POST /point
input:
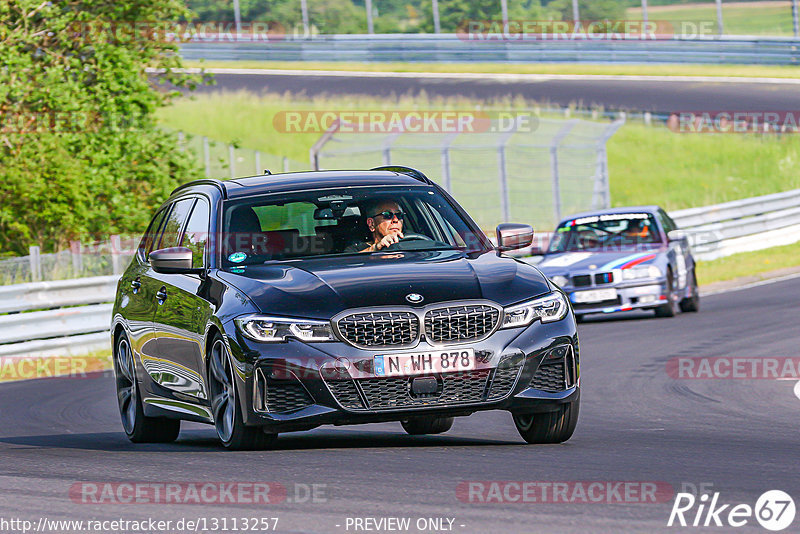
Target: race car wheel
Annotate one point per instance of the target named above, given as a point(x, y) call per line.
point(225, 406)
point(138, 427)
point(692, 303)
point(427, 425)
point(548, 427)
point(669, 309)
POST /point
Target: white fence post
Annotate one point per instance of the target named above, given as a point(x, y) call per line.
point(116, 246)
point(206, 156)
point(36, 263)
point(232, 161)
point(77, 259)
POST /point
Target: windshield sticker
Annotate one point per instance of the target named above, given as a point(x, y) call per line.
point(237, 257)
point(566, 260)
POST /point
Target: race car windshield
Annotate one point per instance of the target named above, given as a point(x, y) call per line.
point(320, 223)
point(609, 231)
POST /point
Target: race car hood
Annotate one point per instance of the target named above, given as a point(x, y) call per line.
point(603, 261)
point(321, 288)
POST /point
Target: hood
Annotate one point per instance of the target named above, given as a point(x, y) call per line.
point(321, 288)
point(566, 262)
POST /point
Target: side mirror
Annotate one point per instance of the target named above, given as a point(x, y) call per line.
point(677, 235)
point(177, 260)
point(512, 236)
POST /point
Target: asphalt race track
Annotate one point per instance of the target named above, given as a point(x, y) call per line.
point(627, 94)
point(636, 424)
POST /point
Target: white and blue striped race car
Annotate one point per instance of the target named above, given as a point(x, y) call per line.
point(623, 259)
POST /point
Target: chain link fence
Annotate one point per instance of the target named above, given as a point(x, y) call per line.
point(507, 173)
point(225, 160)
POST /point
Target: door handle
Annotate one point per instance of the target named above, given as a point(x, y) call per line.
point(162, 295)
point(136, 284)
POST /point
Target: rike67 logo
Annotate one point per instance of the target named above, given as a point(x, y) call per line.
point(774, 510)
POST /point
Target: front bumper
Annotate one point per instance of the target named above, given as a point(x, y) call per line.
point(296, 386)
point(630, 296)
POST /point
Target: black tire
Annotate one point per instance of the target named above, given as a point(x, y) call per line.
point(548, 427)
point(137, 426)
point(225, 407)
point(692, 303)
point(669, 309)
point(427, 425)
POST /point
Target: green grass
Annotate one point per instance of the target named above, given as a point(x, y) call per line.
point(746, 71)
point(652, 165)
point(746, 18)
point(748, 264)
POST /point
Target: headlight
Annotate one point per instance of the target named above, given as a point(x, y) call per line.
point(559, 280)
point(645, 271)
point(552, 307)
point(277, 329)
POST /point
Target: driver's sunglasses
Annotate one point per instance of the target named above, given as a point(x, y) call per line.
point(389, 215)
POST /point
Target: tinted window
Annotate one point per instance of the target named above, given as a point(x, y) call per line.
point(151, 235)
point(175, 222)
point(196, 235)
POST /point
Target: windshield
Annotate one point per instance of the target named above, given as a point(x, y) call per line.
point(342, 221)
point(605, 232)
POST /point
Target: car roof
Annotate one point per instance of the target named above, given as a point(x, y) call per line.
point(612, 211)
point(306, 180)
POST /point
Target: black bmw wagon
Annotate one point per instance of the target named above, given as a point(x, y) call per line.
point(279, 303)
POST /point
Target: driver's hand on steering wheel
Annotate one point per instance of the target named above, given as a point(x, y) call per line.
point(388, 240)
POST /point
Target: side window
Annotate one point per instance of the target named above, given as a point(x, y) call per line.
point(151, 235)
point(666, 222)
point(175, 222)
point(196, 234)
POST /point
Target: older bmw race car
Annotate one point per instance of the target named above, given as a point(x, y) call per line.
point(623, 259)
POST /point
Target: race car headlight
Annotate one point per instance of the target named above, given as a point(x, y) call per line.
point(559, 280)
point(645, 271)
point(278, 330)
point(552, 307)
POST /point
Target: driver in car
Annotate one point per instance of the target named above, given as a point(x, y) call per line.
point(385, 223)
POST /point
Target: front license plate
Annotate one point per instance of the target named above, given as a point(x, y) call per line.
point(416, 363)
point(594, 295)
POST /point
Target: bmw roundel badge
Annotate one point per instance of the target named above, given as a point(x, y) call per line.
point(414, 298)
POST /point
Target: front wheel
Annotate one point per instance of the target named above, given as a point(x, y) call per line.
point(548, 427)
point(427, 425)
point(225, 407)
point(692, 302)
point(669, 308)
point(138, 427)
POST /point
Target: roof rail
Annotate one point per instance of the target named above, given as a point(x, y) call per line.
point(414, 173)
point(204, 181)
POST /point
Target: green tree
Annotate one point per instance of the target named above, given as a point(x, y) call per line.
point(80, 154)
point(456, 14)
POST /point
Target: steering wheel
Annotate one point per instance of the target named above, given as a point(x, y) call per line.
point(408, 238)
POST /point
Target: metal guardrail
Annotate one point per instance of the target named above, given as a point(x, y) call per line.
point(54, 318)
point(458, 48)
point(742, 225)
point(73, 316)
